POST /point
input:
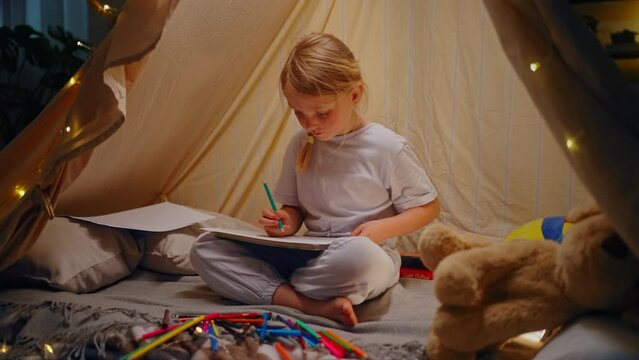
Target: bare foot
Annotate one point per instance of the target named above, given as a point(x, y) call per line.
point(338, 308)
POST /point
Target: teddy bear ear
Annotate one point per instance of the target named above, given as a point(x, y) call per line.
point(615, 247)
point(582, 212)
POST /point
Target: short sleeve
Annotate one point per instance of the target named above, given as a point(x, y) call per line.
point(410, 185)
point(285, 191)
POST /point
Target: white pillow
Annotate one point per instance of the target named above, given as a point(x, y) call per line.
point(76, 256)
point(168, 252)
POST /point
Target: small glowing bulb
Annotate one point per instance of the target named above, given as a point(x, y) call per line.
point(534, 66)
point(48, 348)
point(19, 190)
point(198, 330)
point(570, 144)
point(68, 129)
point(72, 81)
point(106, 7)
point(4, 348)
point(83, 45)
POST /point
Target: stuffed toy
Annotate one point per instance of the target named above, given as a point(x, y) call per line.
point(492, 291)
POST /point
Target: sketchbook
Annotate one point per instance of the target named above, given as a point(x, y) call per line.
point(260, 238)
point(160, 217)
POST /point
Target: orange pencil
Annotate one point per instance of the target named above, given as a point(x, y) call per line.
point(282, 351)
point(359, 352)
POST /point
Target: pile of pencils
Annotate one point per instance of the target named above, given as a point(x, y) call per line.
point(213, 335)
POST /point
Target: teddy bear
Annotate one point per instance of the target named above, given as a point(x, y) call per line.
point(491, 291)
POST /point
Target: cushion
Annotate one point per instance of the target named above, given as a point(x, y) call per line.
point(168, 252)
point(76, 256)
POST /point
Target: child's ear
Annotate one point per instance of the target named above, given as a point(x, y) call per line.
point(357, 93)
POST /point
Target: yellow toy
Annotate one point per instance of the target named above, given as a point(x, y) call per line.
point(548, 228)
point(493, 291)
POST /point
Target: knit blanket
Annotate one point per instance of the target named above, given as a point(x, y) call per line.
point(38, 322)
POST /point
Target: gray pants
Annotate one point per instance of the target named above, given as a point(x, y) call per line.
point(353, 267)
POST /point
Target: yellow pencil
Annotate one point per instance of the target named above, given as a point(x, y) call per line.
point(139, 352)
point(215, 330)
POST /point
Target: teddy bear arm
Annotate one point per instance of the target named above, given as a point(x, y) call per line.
point(473, 329)
point(438, 241)
point(462, 278)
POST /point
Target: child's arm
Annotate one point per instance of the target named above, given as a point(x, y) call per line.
point(410, 220)
point(291, 217)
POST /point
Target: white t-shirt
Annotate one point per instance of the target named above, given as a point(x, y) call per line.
point(371, 173)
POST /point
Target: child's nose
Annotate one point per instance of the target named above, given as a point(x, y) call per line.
point(311, 123)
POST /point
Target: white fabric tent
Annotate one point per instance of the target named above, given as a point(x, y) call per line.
point(205, 120)
point(190, 112)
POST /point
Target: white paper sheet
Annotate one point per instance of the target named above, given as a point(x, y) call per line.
point(164, 216)
point(261, 238)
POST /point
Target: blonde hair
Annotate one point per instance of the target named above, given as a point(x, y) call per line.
point(319, 64)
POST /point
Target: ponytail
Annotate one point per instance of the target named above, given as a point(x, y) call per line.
point(304, 155)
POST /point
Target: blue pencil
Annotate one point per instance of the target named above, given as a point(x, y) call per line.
point(213, 338)
point(263, 327)
point(283, 332)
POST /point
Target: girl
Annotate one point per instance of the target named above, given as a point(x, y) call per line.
point(343, 177)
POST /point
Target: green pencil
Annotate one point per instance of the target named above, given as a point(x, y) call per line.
point(308, 329)
point(270, 199)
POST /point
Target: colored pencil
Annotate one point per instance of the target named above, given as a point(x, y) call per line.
point(336, 340)
point(139, 352)
point(245, 321)
point(213, 338)
point(359, 352)
point(263, 327)
point(333, 348)
point(221, 315)
point(283, 332)
point(270, 200)
point(157, 332)
point(282, 351)
point(288, 322)
point(309, 339)
point(215, 330)
point(165, 319)
point(308, 329)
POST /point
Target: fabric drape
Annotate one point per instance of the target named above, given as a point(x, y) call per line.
point(50, 153)
point(584, 99)
point(206, 120)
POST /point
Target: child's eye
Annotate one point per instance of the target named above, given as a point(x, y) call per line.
point(322, 115)
point(299, 114)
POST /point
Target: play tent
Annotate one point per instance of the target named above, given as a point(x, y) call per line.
point(181, 103)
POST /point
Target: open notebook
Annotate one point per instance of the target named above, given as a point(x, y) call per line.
point(258, 237)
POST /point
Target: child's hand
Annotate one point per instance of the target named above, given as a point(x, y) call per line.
point(269, 221)
point(374, 230)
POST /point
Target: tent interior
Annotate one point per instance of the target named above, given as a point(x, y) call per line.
point(181, 103)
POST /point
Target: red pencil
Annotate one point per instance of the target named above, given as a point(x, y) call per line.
point(332, 347)
point(214, 316)
point(359, 352)
point(160, 331)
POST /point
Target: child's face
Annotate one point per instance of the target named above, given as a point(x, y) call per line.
point(324, 116)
